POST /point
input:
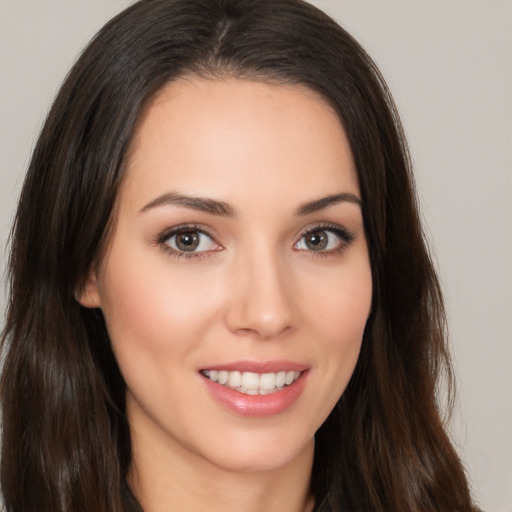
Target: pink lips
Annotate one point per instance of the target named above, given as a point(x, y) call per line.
point(258, 405)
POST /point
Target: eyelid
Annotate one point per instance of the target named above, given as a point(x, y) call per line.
point(346, 237)
point(168, 232)
point(163, 237)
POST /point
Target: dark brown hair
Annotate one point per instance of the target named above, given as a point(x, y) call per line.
point(66, 440)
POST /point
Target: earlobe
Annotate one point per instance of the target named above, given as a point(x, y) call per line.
point(87, 294)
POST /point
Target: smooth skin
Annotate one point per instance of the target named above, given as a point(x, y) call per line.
point(246, 273)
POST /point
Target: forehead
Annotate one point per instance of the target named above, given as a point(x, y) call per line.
point(228, 137)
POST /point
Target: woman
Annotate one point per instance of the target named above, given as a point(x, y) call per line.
point(220, 292)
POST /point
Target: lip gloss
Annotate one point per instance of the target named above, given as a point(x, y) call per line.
point(257, 405)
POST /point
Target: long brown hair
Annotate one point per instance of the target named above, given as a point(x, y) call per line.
point(66, 440)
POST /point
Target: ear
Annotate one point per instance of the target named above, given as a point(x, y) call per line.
point(88, 293)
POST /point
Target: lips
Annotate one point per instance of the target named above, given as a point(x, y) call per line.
point(251, 383)
point(256, 389)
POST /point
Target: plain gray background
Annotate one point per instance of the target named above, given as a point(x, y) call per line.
point(449, 66)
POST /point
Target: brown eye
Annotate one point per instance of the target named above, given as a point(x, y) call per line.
point(316, 240)
point(324, 239)
point(190, 240)
point(187, 241)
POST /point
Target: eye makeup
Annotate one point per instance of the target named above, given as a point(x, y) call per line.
point(324, 239)
point(187, 241)
point(193, 241)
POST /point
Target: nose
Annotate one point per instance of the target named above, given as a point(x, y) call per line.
point(263, 303)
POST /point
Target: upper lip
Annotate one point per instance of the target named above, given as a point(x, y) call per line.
point(272, 366)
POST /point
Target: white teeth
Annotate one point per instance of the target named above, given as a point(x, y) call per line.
point(280, 378)
point(223, 377)
point(251, 383)
point(268, 381)
point(235, 379)
point(290, 377)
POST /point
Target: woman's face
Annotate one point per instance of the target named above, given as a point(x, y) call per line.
point(237, 284)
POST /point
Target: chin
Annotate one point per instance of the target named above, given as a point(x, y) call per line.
point(259, 453)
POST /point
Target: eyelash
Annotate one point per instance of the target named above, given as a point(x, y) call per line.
point(163, 239)
point(345, 236)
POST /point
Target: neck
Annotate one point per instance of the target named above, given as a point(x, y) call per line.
point(175, 479)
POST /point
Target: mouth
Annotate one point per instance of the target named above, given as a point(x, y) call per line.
point(256, 388)
point(251, 383)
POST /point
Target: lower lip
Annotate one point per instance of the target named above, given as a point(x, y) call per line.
point(257, 405)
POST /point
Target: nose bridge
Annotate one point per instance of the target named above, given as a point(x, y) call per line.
point(262, 302)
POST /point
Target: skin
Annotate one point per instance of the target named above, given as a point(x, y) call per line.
point(256, 291)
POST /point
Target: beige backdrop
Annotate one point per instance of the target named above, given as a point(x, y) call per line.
point(449, 65)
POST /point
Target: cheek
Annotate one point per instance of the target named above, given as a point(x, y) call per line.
point(339, 322)
point(344, 307)
point(149, 311)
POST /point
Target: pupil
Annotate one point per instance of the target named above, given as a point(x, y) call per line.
point(316, 241)
point(187, 241)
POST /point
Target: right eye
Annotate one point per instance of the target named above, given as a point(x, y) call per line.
point(187, 241)
point(190, 241)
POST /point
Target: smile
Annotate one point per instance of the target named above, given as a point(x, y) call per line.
point(251, 383)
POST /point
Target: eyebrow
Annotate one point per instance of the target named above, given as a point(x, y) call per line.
point(324, 202)
point(214, 207)
point(203, 204)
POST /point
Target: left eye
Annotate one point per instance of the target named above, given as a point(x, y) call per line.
point(319, 240)
point(190, 241)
